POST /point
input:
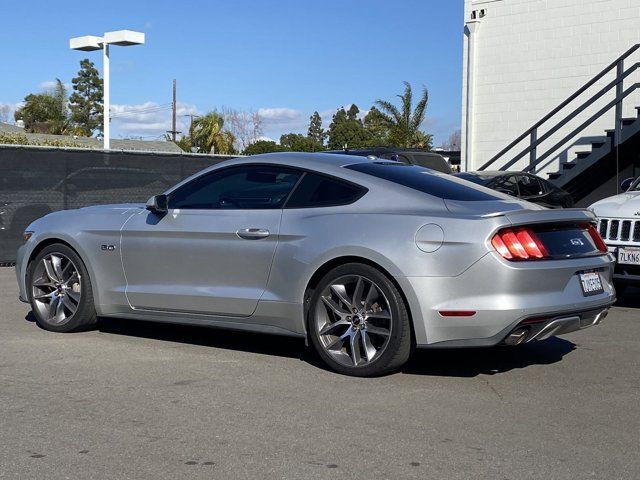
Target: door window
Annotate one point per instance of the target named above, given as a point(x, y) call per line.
point(248, 187)
point(529, 186)
point(507, 185)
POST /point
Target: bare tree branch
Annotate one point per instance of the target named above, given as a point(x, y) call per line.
point(453, 144)
point(246, 127)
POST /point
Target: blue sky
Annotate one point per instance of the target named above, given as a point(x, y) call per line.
point(284, 58)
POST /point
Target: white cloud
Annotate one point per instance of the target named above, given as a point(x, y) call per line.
point(149, 119)
point(279, 120)
point(49, 85)
point(279, 115)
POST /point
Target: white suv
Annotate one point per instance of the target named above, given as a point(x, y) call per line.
point(619, 225)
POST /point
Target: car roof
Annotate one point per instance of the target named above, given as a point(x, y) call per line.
point(314, 161)
point(320, 162)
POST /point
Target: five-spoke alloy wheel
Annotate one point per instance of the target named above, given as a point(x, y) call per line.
point(358, 321)
point(60, 293)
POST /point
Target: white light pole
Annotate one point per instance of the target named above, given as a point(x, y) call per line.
point(123, 38)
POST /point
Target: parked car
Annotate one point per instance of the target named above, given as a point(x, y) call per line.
point(366, 259)
point(619, 226)
point(522, 185)
point(412, 156)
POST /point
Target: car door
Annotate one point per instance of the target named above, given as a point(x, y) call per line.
point(211, 253)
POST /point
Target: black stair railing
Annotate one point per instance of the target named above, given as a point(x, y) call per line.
point(617, 102)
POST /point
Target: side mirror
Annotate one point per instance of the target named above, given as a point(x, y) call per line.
point(626, 184)
point(158, 204)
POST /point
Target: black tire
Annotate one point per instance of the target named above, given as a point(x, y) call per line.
point(398, 347)
point(84, 317)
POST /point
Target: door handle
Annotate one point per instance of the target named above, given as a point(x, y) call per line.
point(252, 233)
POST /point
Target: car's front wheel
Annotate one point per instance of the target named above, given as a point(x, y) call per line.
point(358, 321)
point(59, 290)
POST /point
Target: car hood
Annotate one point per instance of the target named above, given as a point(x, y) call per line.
point(625, 205)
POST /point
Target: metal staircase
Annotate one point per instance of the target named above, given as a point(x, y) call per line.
point(548, 140)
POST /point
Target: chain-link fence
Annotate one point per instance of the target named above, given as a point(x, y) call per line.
point(35, 181)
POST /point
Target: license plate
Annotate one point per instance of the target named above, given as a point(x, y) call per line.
point(591, 283)
point(629, 255)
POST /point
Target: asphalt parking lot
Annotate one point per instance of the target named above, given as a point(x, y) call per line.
point(139, 400)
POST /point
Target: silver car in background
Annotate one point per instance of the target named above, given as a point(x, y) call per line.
point(364, 258)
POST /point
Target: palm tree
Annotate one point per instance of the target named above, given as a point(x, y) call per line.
point(403, 124)
point(209, 137)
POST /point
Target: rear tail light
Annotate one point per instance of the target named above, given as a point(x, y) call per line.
point(596, 237)
point(522, 243)
point(519, 244)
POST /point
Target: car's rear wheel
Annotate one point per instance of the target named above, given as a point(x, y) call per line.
point(59, 290)
point(358, 321)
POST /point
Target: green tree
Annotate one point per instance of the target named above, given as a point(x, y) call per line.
point(346, 130)
point(208, 136)
point(403, 123)
point(86, 101)
point(352, 113)
point(297, 142)
point(45, 112)
point(316, 132)
point(262, 146)
point(339, 117)
point(376, 127)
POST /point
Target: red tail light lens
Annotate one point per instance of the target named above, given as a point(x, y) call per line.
point(519, 244)
point(597, 239)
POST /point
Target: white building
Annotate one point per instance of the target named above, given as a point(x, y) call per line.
point(522, 58)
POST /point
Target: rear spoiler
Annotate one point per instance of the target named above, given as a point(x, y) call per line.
point(568, 215)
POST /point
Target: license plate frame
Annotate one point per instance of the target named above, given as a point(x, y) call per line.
point(590, 283)
point(625, 254)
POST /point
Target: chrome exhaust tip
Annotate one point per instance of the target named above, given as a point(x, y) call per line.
point(516, 337)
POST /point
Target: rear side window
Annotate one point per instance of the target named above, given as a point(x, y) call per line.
point(319, 191)
point(442, 186)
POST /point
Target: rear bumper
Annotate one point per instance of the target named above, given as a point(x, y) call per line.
point(503, 295)
point(541, 329)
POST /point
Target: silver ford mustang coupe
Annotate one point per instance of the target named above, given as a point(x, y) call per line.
point(364, 258)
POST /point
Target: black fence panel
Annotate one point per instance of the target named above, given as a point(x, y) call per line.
point(37, 181)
